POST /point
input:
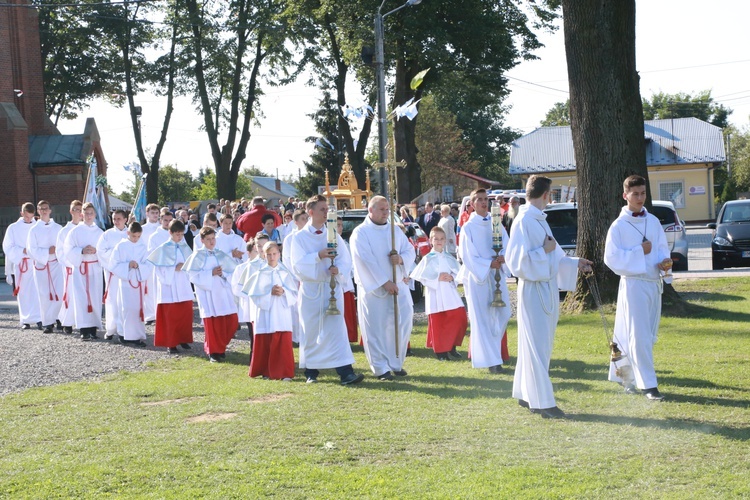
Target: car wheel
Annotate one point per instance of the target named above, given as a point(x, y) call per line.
point(715, 264)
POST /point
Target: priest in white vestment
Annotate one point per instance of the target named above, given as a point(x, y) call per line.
point(47, 275)
point(371, 247)
point(324, 343)
point(14, 248)
point(488, 323)
point(81, 255)
point(636, 249)
point(543, 270)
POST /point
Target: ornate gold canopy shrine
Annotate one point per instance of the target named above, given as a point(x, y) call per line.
point(347, 192)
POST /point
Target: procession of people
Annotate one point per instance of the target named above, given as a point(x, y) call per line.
point(294, 285)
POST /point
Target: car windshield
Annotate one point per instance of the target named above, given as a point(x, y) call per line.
point(665, 215)
point(354, 218)
point(739, 212)
point(564, 225)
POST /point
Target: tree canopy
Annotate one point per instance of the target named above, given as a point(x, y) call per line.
point(683, 105)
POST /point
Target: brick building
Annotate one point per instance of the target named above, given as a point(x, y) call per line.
point(36, 161)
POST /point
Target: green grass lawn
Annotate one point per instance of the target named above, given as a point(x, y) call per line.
point(186, 428)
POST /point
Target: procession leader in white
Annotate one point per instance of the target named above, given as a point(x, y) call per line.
point(324, 343)
point(478, 276)
point(373, 272)
point(47, 275)
point(14, 248)
point(86, 284)
point(543, 270)
point(66, 315)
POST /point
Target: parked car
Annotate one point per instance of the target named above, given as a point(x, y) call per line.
point(730, 245)
point(563, 221)
point(416, 235)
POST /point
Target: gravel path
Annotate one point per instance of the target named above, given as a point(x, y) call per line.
point(33, 359)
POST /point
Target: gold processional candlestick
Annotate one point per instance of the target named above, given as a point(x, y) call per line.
point(331, 224)
point(497, 246)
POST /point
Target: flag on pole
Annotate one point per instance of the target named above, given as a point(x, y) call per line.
point(92, 194)
point(139, 207)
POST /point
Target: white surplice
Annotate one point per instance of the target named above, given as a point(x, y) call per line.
point(47, 275)
point(232, 241)
point(286, 259)
point(14, 248)
point(273, 313)
point(149, 309)
point(132, 283)
point(214, 293)
point(371, 247)
point(639, 293)
point(86, 284)
point(172, 286)
point(324, 342)
point(439, 295)
point(104, 248)
point(487, 323)
point(541, 276)
point(66, 314)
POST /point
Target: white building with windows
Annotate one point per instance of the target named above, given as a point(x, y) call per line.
point(681, 155)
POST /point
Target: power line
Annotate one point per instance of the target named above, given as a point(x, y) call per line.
point(97, 4)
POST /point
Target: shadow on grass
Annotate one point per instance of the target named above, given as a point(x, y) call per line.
point(699, 311)
point(734, 433)
point(447, 386)
point(711, 297)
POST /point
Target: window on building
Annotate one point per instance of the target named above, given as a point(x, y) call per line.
point(673, 191)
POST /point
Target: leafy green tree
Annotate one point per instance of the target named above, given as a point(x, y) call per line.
point(684, 105)
point(739, 161)
point(558, 115)
point(175, 184)
point(206, 186)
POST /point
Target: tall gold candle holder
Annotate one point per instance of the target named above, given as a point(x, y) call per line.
point(497, 246)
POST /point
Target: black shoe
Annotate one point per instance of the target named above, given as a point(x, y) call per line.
point(68, 329)
point(312, 380)
point(223, 355)
point(523, 404)
point(93, 336)
point(150, 322)
point(653, 394)
point(109, 337)
point(496, 369)
point(385, 376)
point(26, 326)
point(49, 329)
point(85, 337)
point(400, 373)
point(454, 353)
point(629, 389)
point(122, 340)
point(408, 352)
point(58, 325)
point(138, 343)
point(172, 350)
point(352, 378)
point(553, 412)
point(187, 347)
point(214, 358)
point(442, 356)
point(39, 325)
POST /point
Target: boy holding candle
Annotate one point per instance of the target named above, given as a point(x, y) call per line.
point(479, 236)
point(446, 315)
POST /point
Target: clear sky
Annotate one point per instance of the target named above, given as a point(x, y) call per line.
point(681, 46)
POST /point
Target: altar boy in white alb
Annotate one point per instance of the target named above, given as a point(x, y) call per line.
point(543, 270)
point(104, 248)
point(149, 228)
point(18, 265)
point(130, 264)
point(47, 274)
point(478, 276)
point(636, 249)
point(373, 272)
point(67, 315)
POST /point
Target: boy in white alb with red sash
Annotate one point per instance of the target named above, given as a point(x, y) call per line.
point(80, 254)
point(66, 316)
point(174, 310)
point(488, 323)
point(104, 248)
point(636, 249)
point(446, 314)
point(130, 264)
point(149, 228)
point(273, 290)
point(47, 275)
point(543, 270)
point(14, 248)
point(206, 268)
point(373, 271)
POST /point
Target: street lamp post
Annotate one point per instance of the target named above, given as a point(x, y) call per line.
point(380, 72)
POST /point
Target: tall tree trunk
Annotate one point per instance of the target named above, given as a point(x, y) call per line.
point(409, 179)
point(606, 116)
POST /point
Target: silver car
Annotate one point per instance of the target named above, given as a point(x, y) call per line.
point(563, 221)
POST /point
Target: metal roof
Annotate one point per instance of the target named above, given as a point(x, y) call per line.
point(679, 141)
point(56, 149)
point(269, 183)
